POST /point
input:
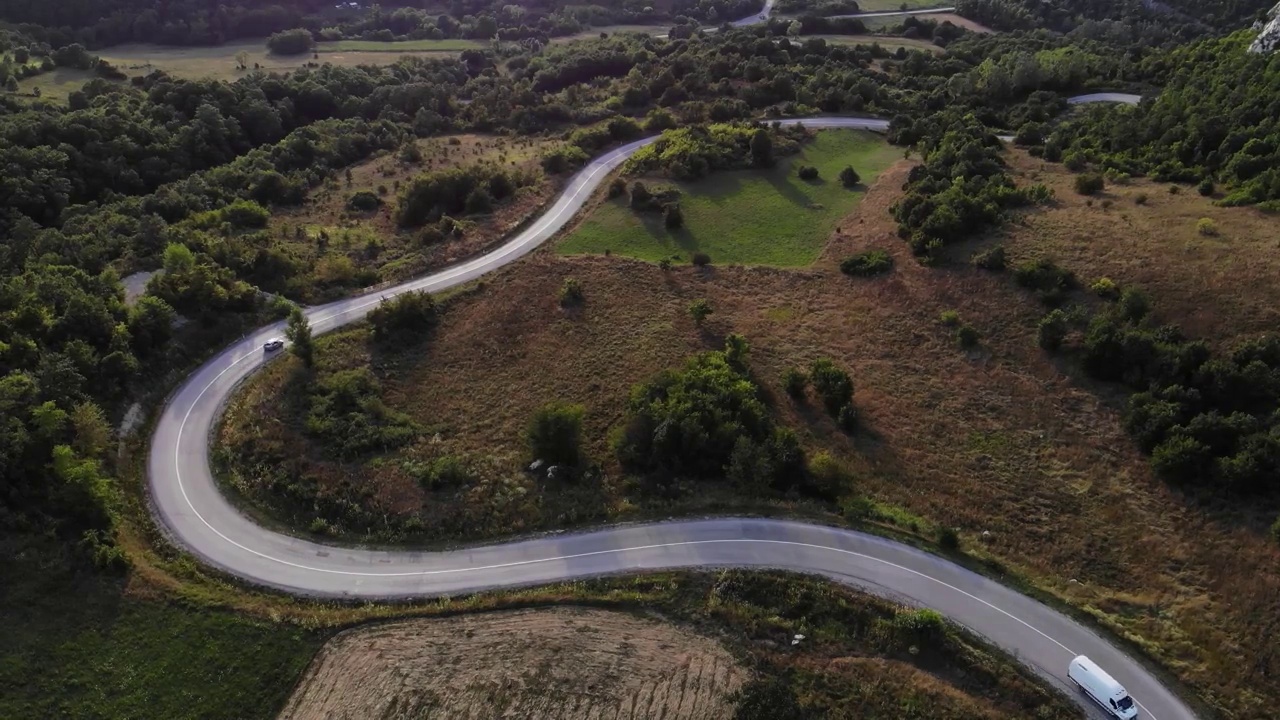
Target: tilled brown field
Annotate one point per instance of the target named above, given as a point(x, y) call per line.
point(548, 663)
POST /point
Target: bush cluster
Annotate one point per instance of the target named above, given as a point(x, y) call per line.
point(707, 420)
point(456, 191)
point(961, 188)
point(347, 414)
point(690, 153)
point(867, 263)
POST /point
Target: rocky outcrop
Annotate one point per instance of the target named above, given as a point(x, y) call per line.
point(1268, 34)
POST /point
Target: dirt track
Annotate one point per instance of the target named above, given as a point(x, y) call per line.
point(550, 663)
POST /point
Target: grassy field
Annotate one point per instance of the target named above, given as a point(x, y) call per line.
point(1027, 459)
point(594, 33)
point(55, 84)
point(876, 24)
point(748, 217)
point(79, 646)
point(402, 47)
point(219, 62)
point(888, 43)
point(867, 6)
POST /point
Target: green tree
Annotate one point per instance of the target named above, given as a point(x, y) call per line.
point(178, 259)
point(699, 310)
point(849, 177)
point(405, 318)
point(299, 334)
point(832, 384)
point(761, 148)
point(554, 434)
point(673, 217)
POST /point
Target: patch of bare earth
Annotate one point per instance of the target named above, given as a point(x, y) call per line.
point(549, 663)
point(1028, 460)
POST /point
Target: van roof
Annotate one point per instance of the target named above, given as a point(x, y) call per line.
point(1105, 682)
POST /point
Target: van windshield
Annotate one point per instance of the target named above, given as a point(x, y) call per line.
point(1125, 702)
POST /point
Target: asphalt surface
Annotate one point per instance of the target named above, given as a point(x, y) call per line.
point(189, 506)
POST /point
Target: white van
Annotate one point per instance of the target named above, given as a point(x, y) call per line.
point(1097, 684)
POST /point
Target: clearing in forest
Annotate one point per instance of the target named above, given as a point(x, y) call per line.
point(747, 217)
point(550, 663)
point(221, 62)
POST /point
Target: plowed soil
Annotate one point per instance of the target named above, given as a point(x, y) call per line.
point(549, 663)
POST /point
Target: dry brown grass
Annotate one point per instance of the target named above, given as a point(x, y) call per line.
point(1220, 287)
point(996, 440)
point(219, 62)
point(553, 663)
point(397, 253)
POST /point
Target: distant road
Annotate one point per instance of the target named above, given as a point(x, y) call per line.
point(190, 508)
point(896, 13)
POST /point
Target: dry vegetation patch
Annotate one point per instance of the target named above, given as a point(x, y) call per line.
point(347, 248)
point(1031, 463)
point(553, 663)
point(1220, 286)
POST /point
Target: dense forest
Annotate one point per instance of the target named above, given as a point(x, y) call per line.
point(1215, 122)
point(102, 24)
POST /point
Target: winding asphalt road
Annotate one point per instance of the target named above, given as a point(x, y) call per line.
point(188, 504)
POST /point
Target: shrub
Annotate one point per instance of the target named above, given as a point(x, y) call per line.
point(291, 42)
point(1205, 187)
point(571, 294)
point(795, 382)
point(1174, 189)
point(847, 418)
point(479, 202)
point(348, 415)
point(832, 384)
point(564, 159)
point(864, 264)
point(948, 539)
point(1052, 330)
point(830, 476)
point(1089, 184)
point(699, 310)
point(246, 214)
point(992, 259)
point(1133, 305)
point(967, 336)
point(364, 201)
point(554, 434)
point(1207, 227)
point(640, 196)
point(701, 259)
point(405, 318)
point(1106, 288)
point(808, 172)
point(1050, 282)
point(692, 422)
point(950, 318)
point(1180, 458)
point(1140, 199)
point(673, 217)
point(1275, 530)
point(750, 465)
point(849, 177)
point(617, 188)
